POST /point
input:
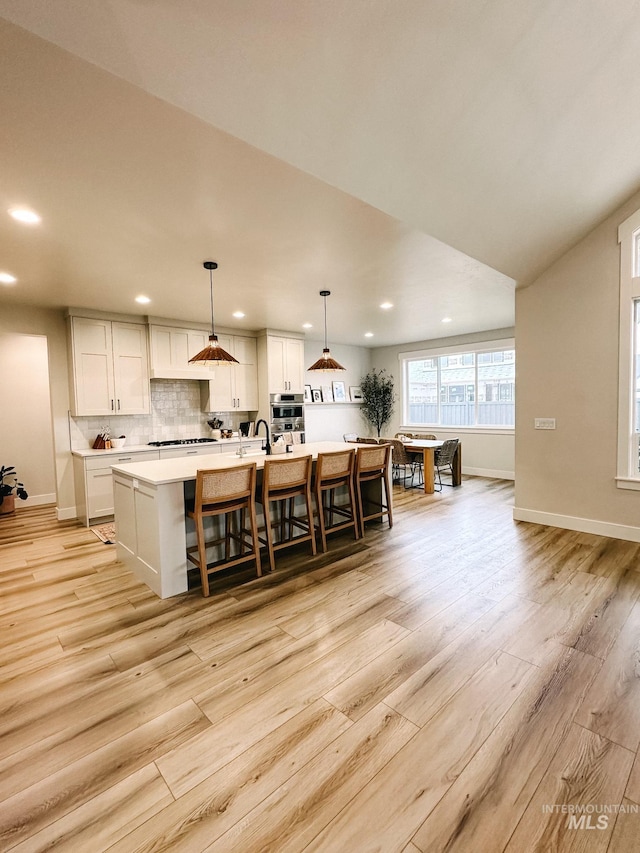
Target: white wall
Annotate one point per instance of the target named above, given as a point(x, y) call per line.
point(26, 430)
point(51, 444)
point(567, 368)
point(329, 422)
point(484, 452)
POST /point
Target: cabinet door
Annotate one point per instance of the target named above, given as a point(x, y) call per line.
point(161, 348)
point(93, 382)
point(246, 373)
point(99, 492)
point(131, 369)
point(276, 363)
point(222, 381)
point(294, 356)
point(197, 341)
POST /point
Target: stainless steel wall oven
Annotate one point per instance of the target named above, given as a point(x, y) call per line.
point(287, 413)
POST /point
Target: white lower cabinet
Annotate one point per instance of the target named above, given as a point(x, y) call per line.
point(94, 482)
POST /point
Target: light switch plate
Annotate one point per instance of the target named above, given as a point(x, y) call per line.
point(545, 423)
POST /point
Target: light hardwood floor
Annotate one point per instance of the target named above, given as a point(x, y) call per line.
point(440, 686)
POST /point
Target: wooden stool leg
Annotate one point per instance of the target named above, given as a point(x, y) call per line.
point(387, 491)
point(269, 532)
point(254, 536)
point(354, 510)
point(202, 555)
point(307, 499)
point(321, 521)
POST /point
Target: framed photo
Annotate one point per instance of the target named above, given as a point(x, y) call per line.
point(327, 394)
point(308, 397)
point(339, 393)
point(316, 396)
point(355, 393)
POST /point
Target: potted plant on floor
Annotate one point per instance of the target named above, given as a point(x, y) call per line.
point(10, 489)
point(377, 398)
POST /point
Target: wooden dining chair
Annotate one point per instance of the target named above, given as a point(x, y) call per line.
point(226, 493)
point(284, 480)
point(372, 470)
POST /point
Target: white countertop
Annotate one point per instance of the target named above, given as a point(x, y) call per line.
point(184, 468)
point(139, 448)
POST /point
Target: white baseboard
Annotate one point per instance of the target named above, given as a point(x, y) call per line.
point(489, 472)
point(582, 525)
point(37, 500)
point(67, 512)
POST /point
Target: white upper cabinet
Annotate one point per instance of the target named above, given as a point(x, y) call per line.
point(110, 369)
point(285, 364)
point(234, 386)
point(171, 349)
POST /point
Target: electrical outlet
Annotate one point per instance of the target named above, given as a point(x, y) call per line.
point(545, 423)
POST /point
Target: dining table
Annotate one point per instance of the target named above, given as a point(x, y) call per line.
point(427, 447)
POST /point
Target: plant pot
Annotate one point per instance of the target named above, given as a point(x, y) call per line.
point(8, 504)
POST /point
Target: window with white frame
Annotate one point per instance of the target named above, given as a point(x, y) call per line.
point(628, 468)
point(460, 386)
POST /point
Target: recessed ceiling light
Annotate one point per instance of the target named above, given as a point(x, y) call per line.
point(307, 326)
point(238, 314)
point(368, 334)
point(7, 278)
point(446, 319)
point(386, 305)
point(143, 300)
point(24, 215)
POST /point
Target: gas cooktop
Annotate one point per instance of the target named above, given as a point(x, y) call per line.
point(181, 441)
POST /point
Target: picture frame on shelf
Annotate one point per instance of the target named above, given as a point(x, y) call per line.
point(316, 395)
point(355, 393)
point(327, 393)
point(339, 392)
point(308, 396)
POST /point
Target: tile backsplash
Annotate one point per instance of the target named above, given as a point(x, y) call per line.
point(175, 413)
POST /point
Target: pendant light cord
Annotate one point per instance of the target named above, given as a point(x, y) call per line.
point(325, 322)
point(213, 331)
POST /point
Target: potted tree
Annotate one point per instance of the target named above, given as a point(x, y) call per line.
point(10, 489)
point(377, 398)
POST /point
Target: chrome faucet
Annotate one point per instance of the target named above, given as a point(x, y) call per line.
point(240, 451)
point(267, 445)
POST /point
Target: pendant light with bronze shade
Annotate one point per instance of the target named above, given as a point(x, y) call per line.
point(213, 353)
point(325, 363)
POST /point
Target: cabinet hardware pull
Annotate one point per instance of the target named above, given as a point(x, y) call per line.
point(112, 406)
point(118, 404)
point(124, 459)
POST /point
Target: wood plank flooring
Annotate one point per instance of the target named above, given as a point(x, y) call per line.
point(459, 683)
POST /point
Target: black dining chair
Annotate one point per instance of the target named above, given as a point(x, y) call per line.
point(443, 459)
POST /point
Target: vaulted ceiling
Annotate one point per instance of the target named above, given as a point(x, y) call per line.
point(429, 154)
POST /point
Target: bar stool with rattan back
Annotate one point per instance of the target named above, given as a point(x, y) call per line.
point(225, 492)
point(335, 470)
point(283, 480)
point(372, 465)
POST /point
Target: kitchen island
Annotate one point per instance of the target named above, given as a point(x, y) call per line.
point(151, 530)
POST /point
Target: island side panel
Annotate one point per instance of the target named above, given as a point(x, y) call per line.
point(150, 533)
